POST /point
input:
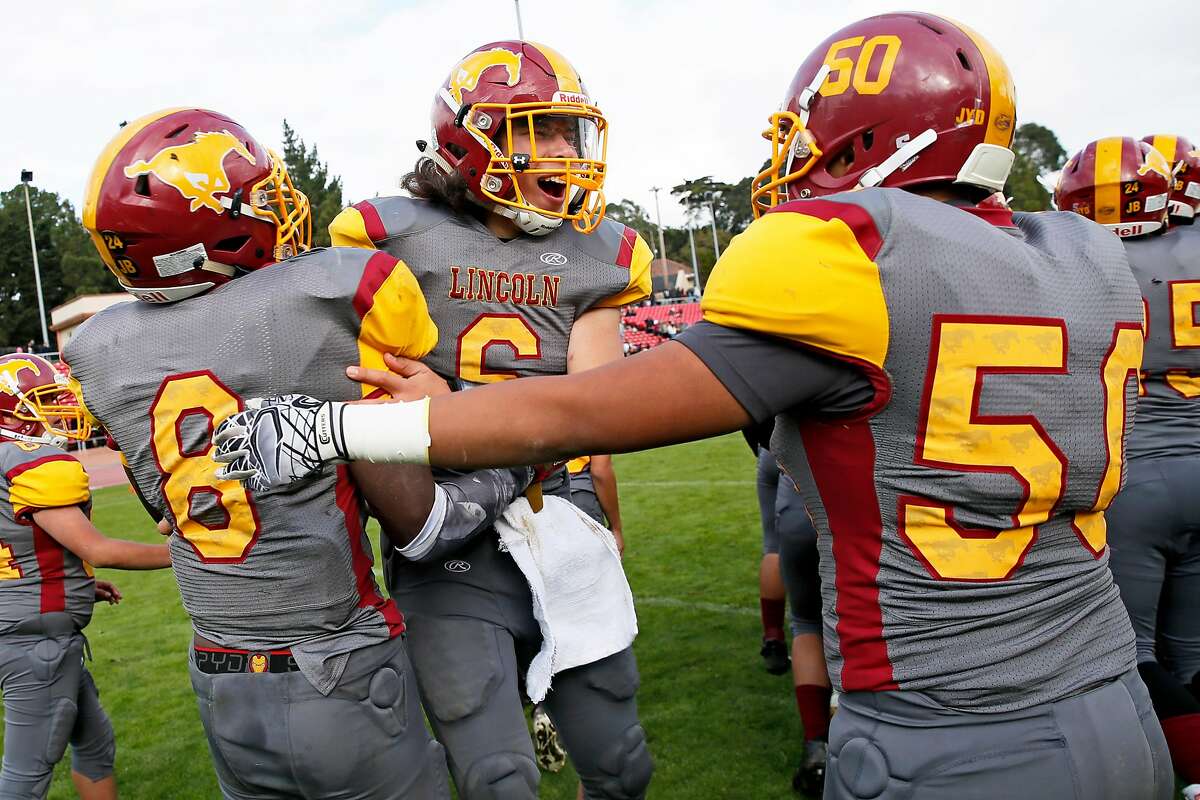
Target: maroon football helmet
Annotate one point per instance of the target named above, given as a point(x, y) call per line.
point(895, 100)
point(506, 88)
point(39, 403)
point(182, 199)
point(1119, 182)
point(1184, 159)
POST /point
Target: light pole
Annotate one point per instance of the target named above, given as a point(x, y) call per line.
point(26, 177)
point(520, 27)
point(695, 264)
point(662, 247)
point(712, 216)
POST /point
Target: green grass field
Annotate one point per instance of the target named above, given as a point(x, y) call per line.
point(719, 725)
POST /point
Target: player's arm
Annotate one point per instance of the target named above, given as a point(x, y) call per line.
point(794, 320)
point(595, 341)
point(71, 528)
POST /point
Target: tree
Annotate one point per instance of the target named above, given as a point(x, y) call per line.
point(1038, 152)
point(311, 176)
point(67, 259)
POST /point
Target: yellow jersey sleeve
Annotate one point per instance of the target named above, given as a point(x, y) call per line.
point(807, 275)
point(349, 229)
point(394, 316)
point(634, 254)
point(51, 482)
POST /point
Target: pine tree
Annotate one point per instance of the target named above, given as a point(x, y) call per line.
point(311, 176)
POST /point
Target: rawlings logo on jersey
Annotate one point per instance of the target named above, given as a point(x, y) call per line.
point(465, 77)
point(197, 169)
point(10, 373)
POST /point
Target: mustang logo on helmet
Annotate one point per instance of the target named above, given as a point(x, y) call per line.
point(10, 373)
point(1156, 162)
point(196, 169)
point(465, 76)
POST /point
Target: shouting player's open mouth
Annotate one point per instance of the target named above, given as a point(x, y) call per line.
point(553, 187)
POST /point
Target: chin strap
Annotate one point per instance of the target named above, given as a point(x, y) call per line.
point(908, 151)
point(530, 222)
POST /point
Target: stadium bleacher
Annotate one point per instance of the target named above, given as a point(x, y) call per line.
point(643, 327)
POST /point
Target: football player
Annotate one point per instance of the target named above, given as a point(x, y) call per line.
point(951, 387)
point(298, 663)
point(1184, 158)
point(48, 548)
point(772, 595)
point(505, 234)
point(788, 531)
point(1155, 521)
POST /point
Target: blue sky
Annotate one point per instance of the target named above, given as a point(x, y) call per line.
point(687, 86)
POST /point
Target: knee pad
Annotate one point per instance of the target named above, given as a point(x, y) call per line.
point(501, 776)
point(627, 768)
point(615, 675)
point(62, 720)
point(458, 665)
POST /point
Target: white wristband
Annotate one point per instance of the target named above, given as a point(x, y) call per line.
point(387, 432)
point(424, 541)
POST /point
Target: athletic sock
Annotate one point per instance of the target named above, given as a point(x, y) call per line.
point(1183, 740)
point(813, 703)
point(772, 618)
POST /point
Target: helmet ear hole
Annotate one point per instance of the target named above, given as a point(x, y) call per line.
point(231, 245)
point(142, 185)
point(868, 138)
point(457, 150)
point(842, 161)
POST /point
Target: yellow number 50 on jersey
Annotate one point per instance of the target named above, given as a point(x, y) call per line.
point(190, 473)
point(495, 330)
point(954, 435)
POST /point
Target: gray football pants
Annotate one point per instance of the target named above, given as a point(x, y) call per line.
point(1154, 534)
point(1103, 744)
point(788, 531)
point(470, 673)
point(275, 736)
point(50, 700)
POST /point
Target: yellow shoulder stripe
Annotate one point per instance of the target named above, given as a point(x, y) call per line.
point(349, 229)
point(803, 278)
point(395, 318)
point(51, 483)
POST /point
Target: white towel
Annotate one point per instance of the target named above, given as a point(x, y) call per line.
point(581, 598)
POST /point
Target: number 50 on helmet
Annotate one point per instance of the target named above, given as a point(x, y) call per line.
point(896, 100)
point(185, 199)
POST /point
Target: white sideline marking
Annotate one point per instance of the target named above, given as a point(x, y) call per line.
point(635, 484)
point(698, 605)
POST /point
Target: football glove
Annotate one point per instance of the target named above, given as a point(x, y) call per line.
point(280, 440)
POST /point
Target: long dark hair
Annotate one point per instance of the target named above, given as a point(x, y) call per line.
point(428, 182)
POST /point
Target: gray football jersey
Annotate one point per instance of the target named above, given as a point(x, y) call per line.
point(37, 574)
point(1167, 268)
point(284, 569)
point(963, 544)
point(504, 309)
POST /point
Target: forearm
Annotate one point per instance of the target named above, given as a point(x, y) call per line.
point(122, 554)
point(468, 505)
point(68, 526)
point(604, 479)
point(663, 396)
